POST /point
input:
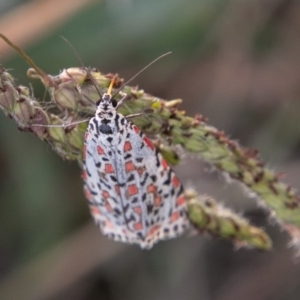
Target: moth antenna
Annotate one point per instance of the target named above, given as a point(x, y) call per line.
point(58, 126)
point(82, 63)
point(142, 70)
point(29, 60)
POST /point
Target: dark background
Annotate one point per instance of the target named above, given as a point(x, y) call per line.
point(235, 62)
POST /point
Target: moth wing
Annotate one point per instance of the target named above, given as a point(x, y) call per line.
point(139, 198)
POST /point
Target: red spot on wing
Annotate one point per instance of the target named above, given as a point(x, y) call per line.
point(109, 224)
point(87, 193)
point(127, 146)
point(164, 164)
point(108, 207)
point(152, 231)
point(136, 129)
point(138, 226)
point(132, 190)
point(157, 201)
point(95, 210)
point(84, 175)
point(109, 168)
point(181, 200)
point(176, 182)
point(175, 216)
point(138, 210)
point(105, 194)
point(129, 166)
point(117, 189)
point(149, 143)
point(151, 188)
point(86, 135)
point(100, 150)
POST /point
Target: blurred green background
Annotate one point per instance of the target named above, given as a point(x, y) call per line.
point(235, 62)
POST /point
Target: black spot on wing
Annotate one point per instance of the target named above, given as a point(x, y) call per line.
point(144, 197)
point(93, 192)
point(134, 200)
point(157, 159)
point(117, 121)
point(96, 124)
point(88, 172)
point(149, 208)
point(153, 177)
point(92, 125)
point(128, 155)
point(145, 179)
point(104, 182)
point(180, 190)
point(172, 192)
point(105, 129)
point(125, 207)
point(141, 236)
point(168, 180)
point(117, 211)
point(130, 178)
point(113, 178)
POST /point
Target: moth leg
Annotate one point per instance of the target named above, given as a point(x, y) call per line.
point(134, 115)
point(121, 102)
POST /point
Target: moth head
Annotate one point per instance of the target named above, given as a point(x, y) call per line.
point(106, 101)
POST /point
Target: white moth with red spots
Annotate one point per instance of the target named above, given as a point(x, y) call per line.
point(134, 196)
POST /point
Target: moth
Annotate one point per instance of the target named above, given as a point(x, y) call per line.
point(133, 194)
